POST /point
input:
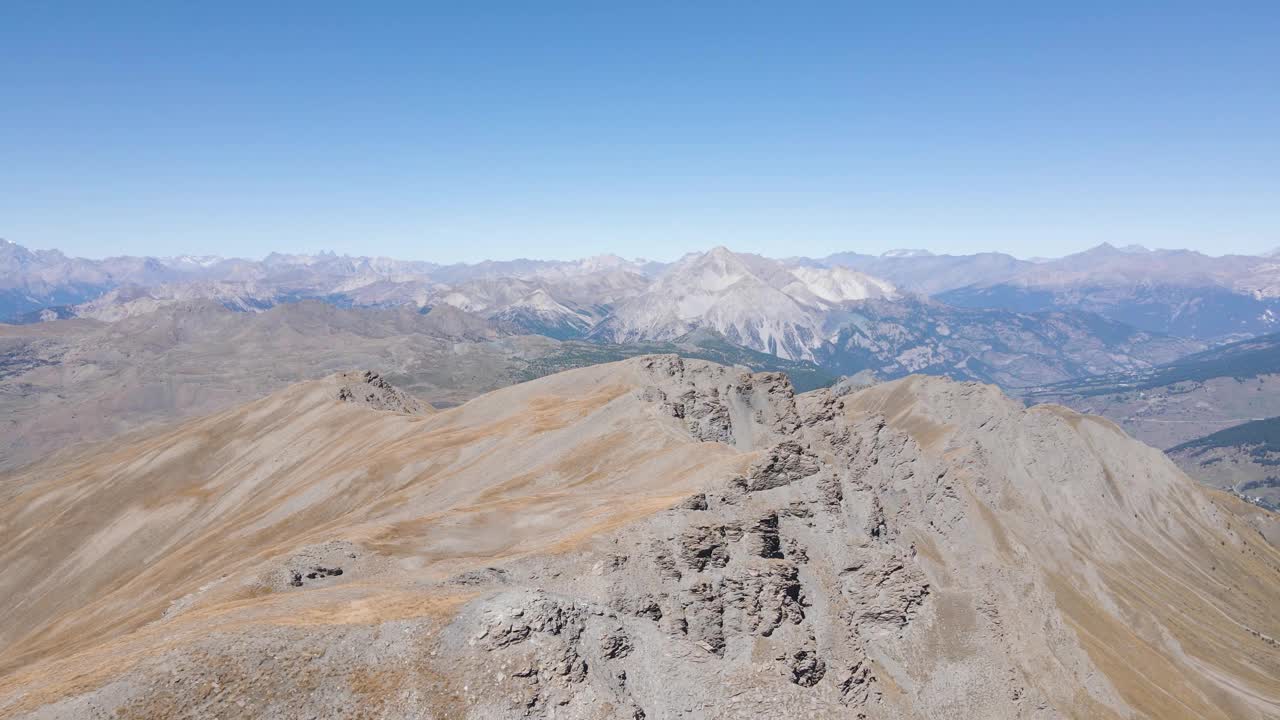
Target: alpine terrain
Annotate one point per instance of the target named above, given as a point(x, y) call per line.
point(657, 537)
point(800, 310)
point(642, 361)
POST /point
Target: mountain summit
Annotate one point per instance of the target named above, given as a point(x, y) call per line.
point(652, 538)
point(756, 302)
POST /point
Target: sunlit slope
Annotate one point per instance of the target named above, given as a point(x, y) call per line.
point(652, 537)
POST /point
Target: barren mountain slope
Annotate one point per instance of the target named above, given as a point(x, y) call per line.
point(78, 380)
point(652, 538)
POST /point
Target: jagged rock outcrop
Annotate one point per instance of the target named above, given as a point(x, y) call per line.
point(660, 538)
point(719, 404)
point(866, 541)
point(370, 389)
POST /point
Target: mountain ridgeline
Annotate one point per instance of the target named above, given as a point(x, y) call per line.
point(835, 312)
point(654, 538)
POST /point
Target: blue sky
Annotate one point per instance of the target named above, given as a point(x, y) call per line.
point(463, 131)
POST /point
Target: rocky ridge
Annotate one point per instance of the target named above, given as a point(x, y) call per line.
point(919, 548)
point(370, 389)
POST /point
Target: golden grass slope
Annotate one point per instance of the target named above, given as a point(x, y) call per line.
point(101, 547)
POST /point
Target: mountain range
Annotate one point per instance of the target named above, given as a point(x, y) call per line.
point(324, 486)
point(1105, 311)
point(1177, 292)
point(797, 309)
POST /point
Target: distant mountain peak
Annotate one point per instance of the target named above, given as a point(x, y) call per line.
point(605, 260)
point(906, 253)
point(1107, 248)
point(760, 303)
point(1104, 248)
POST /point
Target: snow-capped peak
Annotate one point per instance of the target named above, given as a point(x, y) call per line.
point(839, 284)
point(712, 272)
point(753, 301)
point(603, 262)
point(196, 260)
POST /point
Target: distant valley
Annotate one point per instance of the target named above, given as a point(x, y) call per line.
point(1213, 411)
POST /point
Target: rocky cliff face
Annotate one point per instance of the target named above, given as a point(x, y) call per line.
point(656, 538)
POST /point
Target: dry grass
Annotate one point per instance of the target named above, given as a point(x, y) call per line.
point(202, 509)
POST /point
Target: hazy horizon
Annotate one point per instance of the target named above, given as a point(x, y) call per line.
point(633, 258)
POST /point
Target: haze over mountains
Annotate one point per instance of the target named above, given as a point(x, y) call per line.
point(1157, 290)
point(795, 309)
point(1173, 291)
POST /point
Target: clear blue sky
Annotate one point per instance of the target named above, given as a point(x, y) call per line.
point(474, 130)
